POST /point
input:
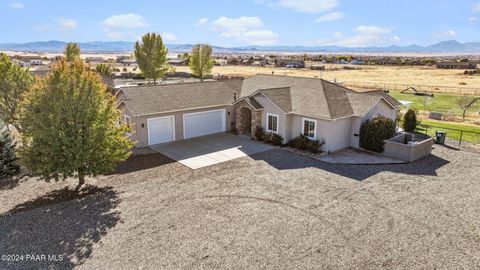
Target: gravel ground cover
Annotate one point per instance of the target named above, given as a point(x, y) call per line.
point(273, 210)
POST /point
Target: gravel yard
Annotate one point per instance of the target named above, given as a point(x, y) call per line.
point(274, 210)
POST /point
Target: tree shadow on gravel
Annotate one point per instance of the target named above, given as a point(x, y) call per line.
point(281, 160)
point(60, 223)
point(141, 162)
point(11, 182)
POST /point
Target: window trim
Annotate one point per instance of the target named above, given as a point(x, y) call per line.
point(314, 130)
point(129, 123)
point(268, 117)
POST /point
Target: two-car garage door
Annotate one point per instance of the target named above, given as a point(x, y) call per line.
point(203, 123)
point(162, 129)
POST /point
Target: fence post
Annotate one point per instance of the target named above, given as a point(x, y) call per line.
point(426, 131)
point(460, 141)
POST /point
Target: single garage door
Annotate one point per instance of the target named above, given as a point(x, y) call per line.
point(203, 123)
point(161, 130)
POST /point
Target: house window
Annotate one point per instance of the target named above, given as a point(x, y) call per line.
point(309, 128)
point(272, 123)
point(127, 120)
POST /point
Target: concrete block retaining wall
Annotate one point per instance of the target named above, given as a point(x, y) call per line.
point(395, 148)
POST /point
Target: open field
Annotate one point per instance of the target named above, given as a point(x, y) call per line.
point(453, 134)
point(380, 75)
point(442, 103)
point(274, 210)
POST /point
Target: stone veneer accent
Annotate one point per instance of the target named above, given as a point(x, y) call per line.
point(256, 118)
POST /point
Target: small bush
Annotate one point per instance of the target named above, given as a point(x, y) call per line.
point(303, 143)
point(276, 139)
point(410, 121)
point(259, 133)
point(374, 131)
point(267, 137)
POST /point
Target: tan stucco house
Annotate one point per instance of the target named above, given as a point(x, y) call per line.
point(288, 106)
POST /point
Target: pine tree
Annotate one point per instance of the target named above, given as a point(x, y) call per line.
point(8, 159)
point(71, 126)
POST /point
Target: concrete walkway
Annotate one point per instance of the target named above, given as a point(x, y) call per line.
point(209, 150)
point(356, 156)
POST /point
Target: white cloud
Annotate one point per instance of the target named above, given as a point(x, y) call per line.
point(57, 25)
point(308, 6)
point(473, 20)
point(365, 35)
point(372, 30)
point(333, 16)
point(125, 21)
point(168, 37)
point(65, 24)
point(476, 8)
point(445, 34)
point(201, 22)
point(17, 5)
point(250, 30)
point(123, 26)
point(395, 39)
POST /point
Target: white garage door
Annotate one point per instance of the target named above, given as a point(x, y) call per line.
point(161, 130)
point(203, 123)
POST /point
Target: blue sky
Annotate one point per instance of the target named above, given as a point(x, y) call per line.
point(244, 22)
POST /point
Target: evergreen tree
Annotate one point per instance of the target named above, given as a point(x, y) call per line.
point(201, 62)
point(151, 55)
point(410, 121)
point(71, 126)
point(8, 159)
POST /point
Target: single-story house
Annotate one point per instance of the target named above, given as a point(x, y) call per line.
point(288, 106)
point(457, 65)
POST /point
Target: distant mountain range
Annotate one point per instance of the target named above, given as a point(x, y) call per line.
point(451, 46)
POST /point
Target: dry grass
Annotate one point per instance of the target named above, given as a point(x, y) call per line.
point(381, 75)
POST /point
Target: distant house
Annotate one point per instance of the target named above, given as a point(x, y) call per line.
point(40, 71)
point(457, 65)
point(94, 59)
point(178, 61)
point(290, 63)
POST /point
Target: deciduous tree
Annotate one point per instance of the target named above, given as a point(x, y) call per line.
point(201, 62)
point(104, 69)
point(151, 55)
point(465, 103)
point(71, 126)
point(14, 81)
point(72, 52)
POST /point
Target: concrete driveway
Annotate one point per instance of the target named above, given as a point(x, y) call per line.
point(209, 150)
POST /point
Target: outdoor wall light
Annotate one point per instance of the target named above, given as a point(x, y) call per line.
point(143, 125)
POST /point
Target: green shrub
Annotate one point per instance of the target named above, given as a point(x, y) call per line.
point(303, 143)
point(276, 139)
point(374, 131)
point(267, 137)
point(409, 121)
point(259, 133)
